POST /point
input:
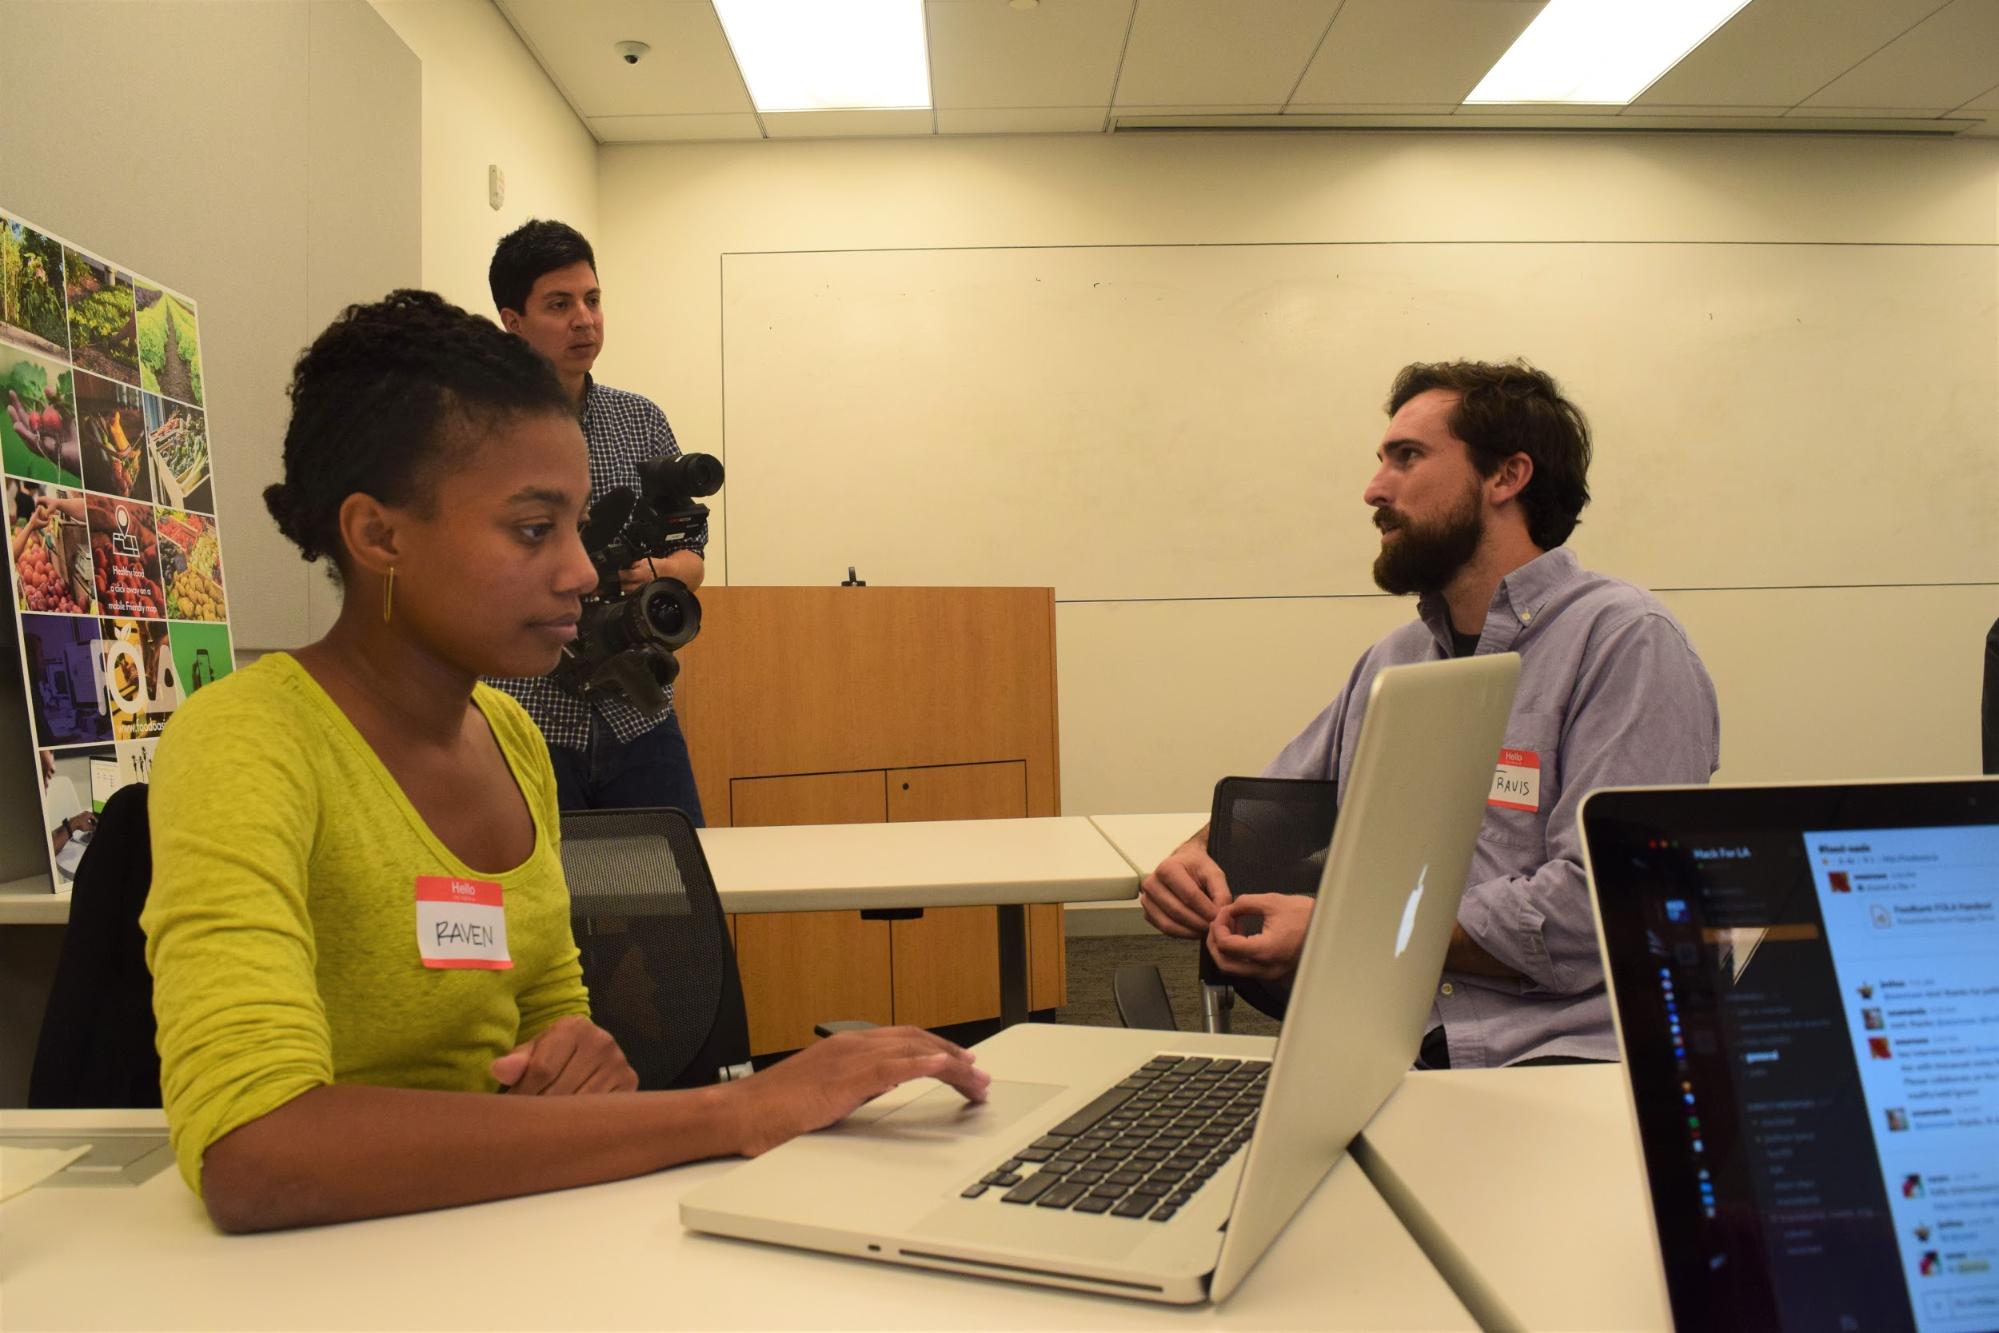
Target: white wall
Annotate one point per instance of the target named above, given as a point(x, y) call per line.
point(486, 102)
point(262, 158)
point(1160, 696)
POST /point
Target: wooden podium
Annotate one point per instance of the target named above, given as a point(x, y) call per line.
point(864, 705)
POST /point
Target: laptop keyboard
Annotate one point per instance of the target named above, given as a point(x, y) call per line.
point(1144, 1147)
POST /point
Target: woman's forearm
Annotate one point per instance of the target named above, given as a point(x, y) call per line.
point(347, 1151)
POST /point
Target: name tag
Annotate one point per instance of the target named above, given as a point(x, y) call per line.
point(1516, 784)
point(460, 923)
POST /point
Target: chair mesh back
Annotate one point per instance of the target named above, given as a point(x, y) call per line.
point(655, 947)
point(1269, 835)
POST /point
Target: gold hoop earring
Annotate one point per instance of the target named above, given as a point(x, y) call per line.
point(388, 593)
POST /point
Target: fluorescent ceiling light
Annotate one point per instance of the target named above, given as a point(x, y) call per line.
point(816, 55)
point(1603, 52)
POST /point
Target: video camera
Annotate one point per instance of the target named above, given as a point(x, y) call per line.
point(625, 641)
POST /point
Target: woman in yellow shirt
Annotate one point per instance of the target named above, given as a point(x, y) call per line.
point(357, 926)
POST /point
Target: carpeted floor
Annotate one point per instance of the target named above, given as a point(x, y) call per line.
point(1092, 960)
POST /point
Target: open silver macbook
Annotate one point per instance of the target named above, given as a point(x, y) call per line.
point(1108, 1161)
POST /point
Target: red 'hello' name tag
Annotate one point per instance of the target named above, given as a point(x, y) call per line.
point(461, 923)
point(1516, 783)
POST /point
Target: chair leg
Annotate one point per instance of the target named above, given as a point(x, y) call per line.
point(1216, 1002)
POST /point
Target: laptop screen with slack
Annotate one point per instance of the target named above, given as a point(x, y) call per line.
point(1806, 984)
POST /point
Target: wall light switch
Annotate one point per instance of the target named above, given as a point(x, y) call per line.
point(496, 186)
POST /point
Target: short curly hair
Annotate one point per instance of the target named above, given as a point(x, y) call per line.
point(538, 246)
point(379, 402)
point(1506, 408)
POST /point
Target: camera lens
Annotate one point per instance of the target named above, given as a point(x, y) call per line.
point(665, 614)
point(676, 481)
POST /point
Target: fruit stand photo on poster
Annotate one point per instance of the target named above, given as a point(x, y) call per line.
point(177, 450)
point(141, 684)
point(125, 557)
point(113, 430)
point(31, 290)
point(102, 336)
point(69, 782)
point(190, 566)
point(64, 699)
point(38, 436)
point(202, 653)
point(48, 539)
point(169, 344)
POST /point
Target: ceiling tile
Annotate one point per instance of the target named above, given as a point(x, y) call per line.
point(1987, 101)
point(1220, 53)
point(690, 70)
point(1951, 56)
point(654, 129)
point(847, 124)
point(1064, 53)
point(1779, 52)
point(1023, 120)
point(1393, 52)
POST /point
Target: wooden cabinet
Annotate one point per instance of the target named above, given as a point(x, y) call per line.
point(857, 705)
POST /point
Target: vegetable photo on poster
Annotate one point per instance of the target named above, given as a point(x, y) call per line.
point(169, 346)
point(38, 437)
point(102, 337)
point(113, 430)
point(190, 566)
point(177, 447)
point(31, 290)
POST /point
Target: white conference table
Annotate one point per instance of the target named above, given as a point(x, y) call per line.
point(1143, 841)
point(615, 1256)
point(938, 863)
point(839, 867)
point(1008, 863)
point(1146, 840)
point(1531, 1180)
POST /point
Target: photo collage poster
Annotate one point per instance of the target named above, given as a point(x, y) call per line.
point(117, 578)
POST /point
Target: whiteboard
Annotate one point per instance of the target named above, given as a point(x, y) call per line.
point(1199, 421)
point(1798, 445)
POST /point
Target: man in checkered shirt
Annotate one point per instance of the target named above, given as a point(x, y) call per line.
point(606, 752)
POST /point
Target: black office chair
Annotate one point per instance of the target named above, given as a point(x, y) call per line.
point(1989, 704)
point(655, 946)
point(96, 1047)
point(1269, 835)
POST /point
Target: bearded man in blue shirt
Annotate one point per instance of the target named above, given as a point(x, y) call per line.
point(1483, 476)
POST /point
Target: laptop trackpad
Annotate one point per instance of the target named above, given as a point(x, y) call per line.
point(942, 1113)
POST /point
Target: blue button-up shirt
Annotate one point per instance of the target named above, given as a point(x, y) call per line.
point(1611, 693)
point(622, 430)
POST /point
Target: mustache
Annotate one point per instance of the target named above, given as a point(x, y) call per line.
point(1386, 518)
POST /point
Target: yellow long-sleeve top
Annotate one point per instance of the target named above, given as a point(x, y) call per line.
point(281, 928)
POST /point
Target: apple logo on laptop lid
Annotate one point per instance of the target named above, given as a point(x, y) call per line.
point(1408, 925)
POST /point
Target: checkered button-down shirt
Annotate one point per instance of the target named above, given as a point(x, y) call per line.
point(623, 430)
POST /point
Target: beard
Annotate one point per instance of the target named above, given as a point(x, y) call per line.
point(1425, 558)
